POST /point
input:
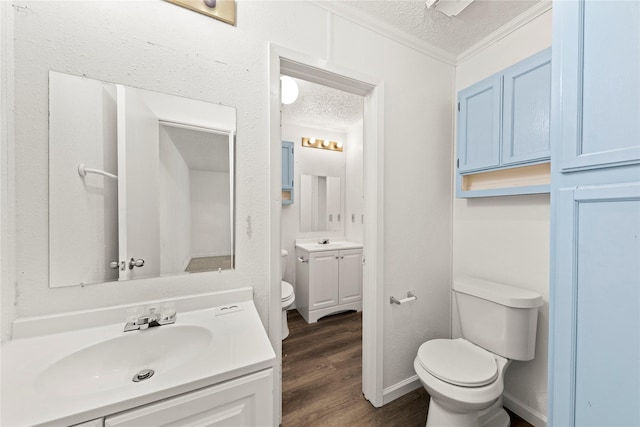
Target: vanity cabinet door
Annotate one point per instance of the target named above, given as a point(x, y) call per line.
point(527, 110)
point(479, 116)
point(323, 279)
point(350, 276)
point(243, 402)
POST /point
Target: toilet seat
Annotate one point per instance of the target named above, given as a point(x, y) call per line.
point(458, 362)
point(286, 292)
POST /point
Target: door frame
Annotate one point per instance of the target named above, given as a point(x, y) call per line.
point(295, 64)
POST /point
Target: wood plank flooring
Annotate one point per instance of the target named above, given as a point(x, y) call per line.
point(322, 379)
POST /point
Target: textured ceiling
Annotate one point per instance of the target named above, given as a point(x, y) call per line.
point(319, 106)
point(323, 107)
point(451, 34)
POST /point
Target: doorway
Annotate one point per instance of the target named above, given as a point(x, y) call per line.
point(283, 61)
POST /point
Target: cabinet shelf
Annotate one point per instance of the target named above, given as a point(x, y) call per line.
point(531, 179)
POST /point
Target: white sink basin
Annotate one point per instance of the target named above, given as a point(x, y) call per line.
point(70, 374)
point(113, 363)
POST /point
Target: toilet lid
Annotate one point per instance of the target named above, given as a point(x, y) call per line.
point(287, 290)
point(458, 362)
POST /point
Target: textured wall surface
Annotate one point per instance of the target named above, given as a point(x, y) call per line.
point(507, 238)
point(158, 46)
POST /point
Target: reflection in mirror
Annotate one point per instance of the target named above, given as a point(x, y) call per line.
point(194, 172)
point(157, 193)
point(320, 203)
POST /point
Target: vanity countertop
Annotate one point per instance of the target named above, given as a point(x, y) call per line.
point(331, 246)
point(40, 385)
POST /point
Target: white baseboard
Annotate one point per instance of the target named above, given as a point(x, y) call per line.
point(397, 390)
point(525, 412)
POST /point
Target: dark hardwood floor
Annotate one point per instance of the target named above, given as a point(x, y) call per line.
point(322, 379)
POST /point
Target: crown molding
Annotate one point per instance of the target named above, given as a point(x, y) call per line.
point(508, 28)
point(386, 30)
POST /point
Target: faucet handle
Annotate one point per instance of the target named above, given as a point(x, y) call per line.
point(168, 310)
point(134, 313)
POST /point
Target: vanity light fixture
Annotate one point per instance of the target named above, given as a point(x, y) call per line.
point(324, 144)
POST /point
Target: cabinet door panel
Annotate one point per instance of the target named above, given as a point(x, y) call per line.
point(323, 279)
point(597, 345)
point(350, 276)
point(287, 172)
point(527, 107)
point(479, 125)
point(244, 402)
point(287, 164)
point(601, 104)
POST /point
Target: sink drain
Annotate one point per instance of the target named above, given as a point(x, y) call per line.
point(145, 374)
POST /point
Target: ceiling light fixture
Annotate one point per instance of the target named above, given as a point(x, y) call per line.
point(448, 7)
point(288, 90)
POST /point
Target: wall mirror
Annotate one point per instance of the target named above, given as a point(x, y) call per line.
point(141, 184)
point(320, 203)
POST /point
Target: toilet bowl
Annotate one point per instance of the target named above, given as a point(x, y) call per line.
point(464, 390)
point(465, 376)
point(287, 300)
point(287, 295)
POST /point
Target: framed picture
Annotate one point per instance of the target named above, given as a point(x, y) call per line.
point(224, 10)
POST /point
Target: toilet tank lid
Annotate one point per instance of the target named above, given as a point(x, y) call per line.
point(509, 296)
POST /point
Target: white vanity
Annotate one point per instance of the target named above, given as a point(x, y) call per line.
point(213, 366)
point(328, 278)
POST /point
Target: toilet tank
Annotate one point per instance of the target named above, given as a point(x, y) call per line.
point(500, 318)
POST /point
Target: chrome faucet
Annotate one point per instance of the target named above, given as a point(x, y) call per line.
point(150, 319)
point(323, 242)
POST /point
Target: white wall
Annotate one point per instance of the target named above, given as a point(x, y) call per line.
point(507, 238)
point(354, 209)
point(417, 181)
point(224, 64)
point(210, 220)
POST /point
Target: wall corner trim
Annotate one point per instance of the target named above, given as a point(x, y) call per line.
point(524, 411)
point(508, 28)
point(386, 30)
point(401, 388)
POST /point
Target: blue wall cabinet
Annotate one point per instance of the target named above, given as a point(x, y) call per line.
point(287, 172)
point(601, 84)
point(594, 352)
point(479, 125)
point(503, 123)
point(527, 105)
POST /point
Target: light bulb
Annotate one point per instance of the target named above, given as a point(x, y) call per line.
point(338, 144)
point(288, 90)
point(325, 143)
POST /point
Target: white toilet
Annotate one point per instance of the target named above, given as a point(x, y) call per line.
point(465, 376)
point(288, 296)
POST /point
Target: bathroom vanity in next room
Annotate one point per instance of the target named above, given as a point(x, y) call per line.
point(328, 278)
